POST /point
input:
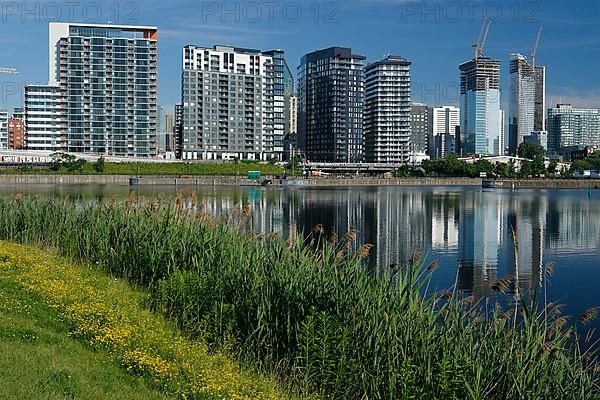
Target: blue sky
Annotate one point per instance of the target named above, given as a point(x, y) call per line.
point(435, 35)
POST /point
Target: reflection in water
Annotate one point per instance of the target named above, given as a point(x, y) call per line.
point(469, 230)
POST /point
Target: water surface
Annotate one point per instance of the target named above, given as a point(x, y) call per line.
point(471, 231)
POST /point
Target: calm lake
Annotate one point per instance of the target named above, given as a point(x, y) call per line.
point(469, 230)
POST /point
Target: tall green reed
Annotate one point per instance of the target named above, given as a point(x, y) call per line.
point(308, 309)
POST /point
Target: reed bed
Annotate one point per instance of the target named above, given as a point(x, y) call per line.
point(308, 310)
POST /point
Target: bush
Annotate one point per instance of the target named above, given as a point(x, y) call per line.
point(99, 165)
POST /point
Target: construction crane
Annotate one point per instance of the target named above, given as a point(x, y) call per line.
point(5, 70)
point(535, 47)
point(479, 46)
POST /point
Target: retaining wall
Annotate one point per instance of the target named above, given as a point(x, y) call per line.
point(311, 182)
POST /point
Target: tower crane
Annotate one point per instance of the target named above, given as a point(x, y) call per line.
point(479, 46)
point(535, 47)
point(6, 70)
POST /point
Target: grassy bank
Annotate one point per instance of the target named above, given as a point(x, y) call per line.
point(311, 313)
point(38, 358)
point(46, 304)
point(159, 169)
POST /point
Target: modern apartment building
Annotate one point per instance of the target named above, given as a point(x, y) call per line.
point(445, 123)
point(233, 103)
point(45, 124)
point(480, 106)
point(291, 135)
point(527, 100)
point(421, 128)
point(570, 128)
point(3, 129)
point(387, 112)
point(106, 77)
point(330, 105)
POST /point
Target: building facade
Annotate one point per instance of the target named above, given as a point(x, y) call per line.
point(387, 113)
point(178, 130)
point(4, 117)
point(502, 138)
point(539, 123)
point(45, 124)
point(161, 130)
point(446, 122)
point(570, 128)
point(527, 100)
point(170, 137)
point(291, 137)
point(16, 134)
point(107, 75)
point(16, 129)
point(233, 103)
point(293, 116)
point(480, 106)
point(330, 105)
point(421, 129)
point(539, 137)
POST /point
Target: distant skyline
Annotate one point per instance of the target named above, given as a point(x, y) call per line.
point(436, 36)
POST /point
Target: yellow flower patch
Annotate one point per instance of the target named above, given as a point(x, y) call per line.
point(109, 316)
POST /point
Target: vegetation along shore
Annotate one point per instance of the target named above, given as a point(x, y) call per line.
point(304, 310)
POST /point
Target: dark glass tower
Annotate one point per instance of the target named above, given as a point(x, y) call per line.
point(330, 105)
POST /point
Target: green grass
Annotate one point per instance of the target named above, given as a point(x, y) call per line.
point(38, 360)
point(68, 328)
point(162, 169)
point(309, 311)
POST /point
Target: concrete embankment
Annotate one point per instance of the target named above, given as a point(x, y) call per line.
point(298, 182)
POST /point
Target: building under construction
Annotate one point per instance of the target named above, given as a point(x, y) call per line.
point(480, 102)
point(480, 106)
point(527, 98)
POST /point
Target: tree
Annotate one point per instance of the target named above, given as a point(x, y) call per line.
point(580, 165)
point(403, 172)
point(60, 160)
point(594, 160)
point(526, 169)
point(76, 165)
point(552, 167)
point(512, 169)
point(99, 165)
point(483, 166)
point(531, 151)
point(502, 170)
point(69, 161)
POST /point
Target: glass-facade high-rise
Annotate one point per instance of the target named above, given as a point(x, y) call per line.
point(527, 100)
point(480, 107)
point(330, 105)
point(108, 77)
point(387, 111)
